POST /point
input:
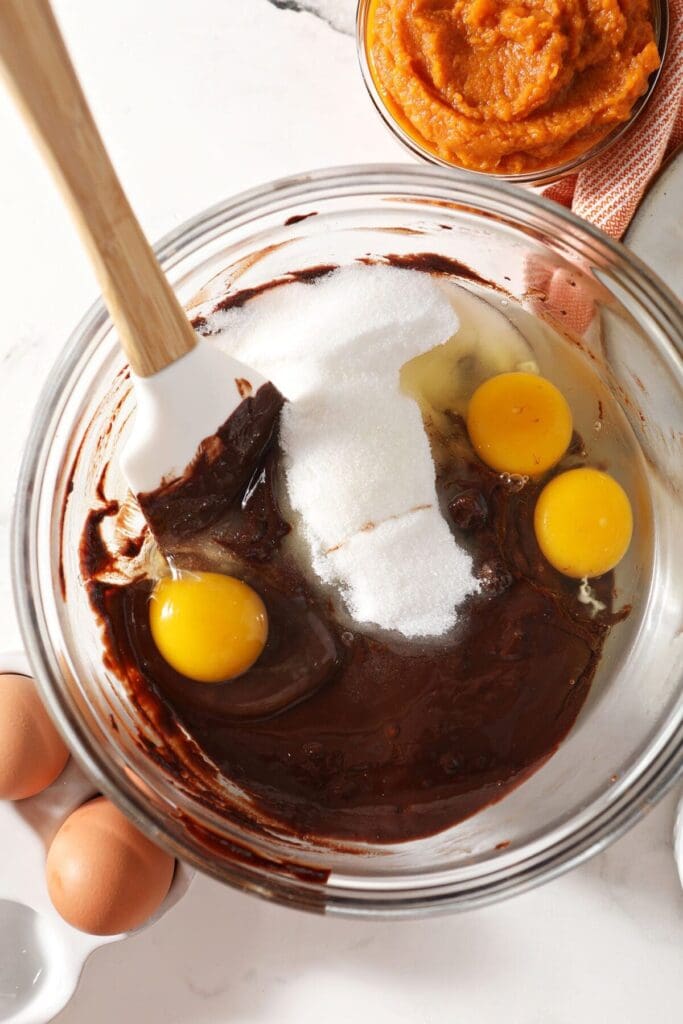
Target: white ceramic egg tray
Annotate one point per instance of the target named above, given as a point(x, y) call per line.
point(41, 956)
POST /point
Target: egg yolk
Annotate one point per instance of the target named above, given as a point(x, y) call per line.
point(583, 522)
point(519, 423)
point(207, 626)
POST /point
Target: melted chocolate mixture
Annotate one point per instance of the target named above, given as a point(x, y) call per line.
point(339, 734)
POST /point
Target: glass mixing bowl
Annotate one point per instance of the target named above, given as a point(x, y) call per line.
point(627, 330)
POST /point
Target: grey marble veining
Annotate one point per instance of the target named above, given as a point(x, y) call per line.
point(338, 14)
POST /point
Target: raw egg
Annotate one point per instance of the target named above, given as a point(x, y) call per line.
point(105, 877)
point(583, 522)
point(207, 626)
point(519, 423)
point(32, 753)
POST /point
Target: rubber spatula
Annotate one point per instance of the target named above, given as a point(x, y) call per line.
point(185, 388)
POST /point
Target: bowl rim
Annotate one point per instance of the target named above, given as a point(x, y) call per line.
point(606, 818)
point(544, 175)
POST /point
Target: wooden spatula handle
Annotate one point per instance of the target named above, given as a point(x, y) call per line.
point(152, 325)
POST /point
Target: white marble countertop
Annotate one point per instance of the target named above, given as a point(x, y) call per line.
point(197, 101)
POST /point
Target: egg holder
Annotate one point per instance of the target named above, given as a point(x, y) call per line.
point(41, 956)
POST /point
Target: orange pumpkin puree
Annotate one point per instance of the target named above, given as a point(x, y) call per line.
point(505, 87)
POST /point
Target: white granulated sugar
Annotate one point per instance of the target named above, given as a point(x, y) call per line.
point(371, 442)
point(408, 572)
point(355, 321)
point(358, 465)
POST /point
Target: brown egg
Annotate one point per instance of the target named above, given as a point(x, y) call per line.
point(32, 753)
point(103, 875)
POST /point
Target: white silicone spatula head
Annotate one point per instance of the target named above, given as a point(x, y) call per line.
point(185, 389)
point(177, 408)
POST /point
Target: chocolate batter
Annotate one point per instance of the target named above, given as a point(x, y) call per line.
point(339, 734)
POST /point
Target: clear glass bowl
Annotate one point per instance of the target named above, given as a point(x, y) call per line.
point(542, 176)
point(627, 745)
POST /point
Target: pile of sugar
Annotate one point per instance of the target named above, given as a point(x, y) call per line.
point(358, 465)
